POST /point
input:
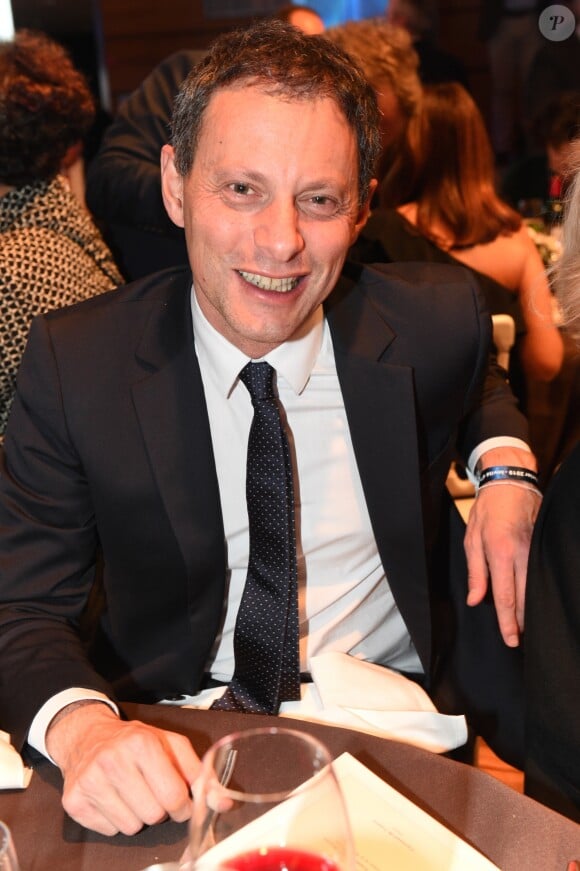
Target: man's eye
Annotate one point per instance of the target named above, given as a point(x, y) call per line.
point(322, 205)
point(239, 187)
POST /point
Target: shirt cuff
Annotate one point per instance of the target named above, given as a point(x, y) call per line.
point(44, 717)
point(488, 445)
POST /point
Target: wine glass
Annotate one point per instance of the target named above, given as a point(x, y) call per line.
point(268, 800)
point(8, 860)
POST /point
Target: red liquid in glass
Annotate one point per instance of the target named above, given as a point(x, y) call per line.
point(279, 859)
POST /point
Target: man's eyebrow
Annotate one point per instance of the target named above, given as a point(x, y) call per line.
point(240, 172)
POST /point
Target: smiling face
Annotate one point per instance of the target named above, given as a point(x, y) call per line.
point(270, 208)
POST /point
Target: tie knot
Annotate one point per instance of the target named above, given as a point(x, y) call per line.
point(258, 378)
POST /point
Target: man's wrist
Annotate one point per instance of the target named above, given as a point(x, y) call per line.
point(497, 446)
point(64, 727)
point(45, 715)
point(507, 465)
point(507, 456)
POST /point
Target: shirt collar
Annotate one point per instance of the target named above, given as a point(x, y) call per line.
point(222, 362)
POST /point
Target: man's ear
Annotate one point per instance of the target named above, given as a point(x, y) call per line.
point(171, 186)
point(364, 210)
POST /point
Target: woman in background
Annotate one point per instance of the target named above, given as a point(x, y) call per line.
point(51, 253)
point(552, 621)
point(446, 208)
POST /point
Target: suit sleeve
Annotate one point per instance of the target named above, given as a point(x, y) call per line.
point(491, 409)
point(48, 547)
point(123, 181)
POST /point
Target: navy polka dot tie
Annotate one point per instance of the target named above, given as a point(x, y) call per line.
point(267, 669)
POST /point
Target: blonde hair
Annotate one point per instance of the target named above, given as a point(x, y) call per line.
point(383, 52)
point(566, 273)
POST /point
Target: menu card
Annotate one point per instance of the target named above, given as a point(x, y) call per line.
point(390, 831)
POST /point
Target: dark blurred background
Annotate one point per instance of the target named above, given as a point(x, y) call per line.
point(117, 42)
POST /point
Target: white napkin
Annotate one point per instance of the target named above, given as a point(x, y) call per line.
point(368, 697)
point(13, 773)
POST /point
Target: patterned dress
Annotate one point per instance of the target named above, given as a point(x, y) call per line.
point(51, 255)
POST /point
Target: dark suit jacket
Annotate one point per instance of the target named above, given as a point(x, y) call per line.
point(108, 446)
point(123, 180)
point(552, 646)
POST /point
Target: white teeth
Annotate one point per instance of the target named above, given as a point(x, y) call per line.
point(278, 285)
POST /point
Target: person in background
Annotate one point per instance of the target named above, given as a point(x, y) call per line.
point(435, 65)
point(540, 177)
point(552, 636)
point(123, 179)
point(450, 200)
point(386, 55)
point(536, 186)
point(304, 18)
point(127, 449)
point(510, 30)
point(51, 253)
point(555, 67)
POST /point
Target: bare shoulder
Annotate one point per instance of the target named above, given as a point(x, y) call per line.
point(523, 239)
point(501, 259)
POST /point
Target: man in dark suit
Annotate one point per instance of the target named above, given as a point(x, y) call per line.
point(128, 441)
point(123, 189)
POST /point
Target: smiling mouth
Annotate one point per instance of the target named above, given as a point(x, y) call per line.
point(278, 285)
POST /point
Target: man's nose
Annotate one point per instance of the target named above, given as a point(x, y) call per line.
point(278, 232)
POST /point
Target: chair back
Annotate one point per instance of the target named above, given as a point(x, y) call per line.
point(504, 336)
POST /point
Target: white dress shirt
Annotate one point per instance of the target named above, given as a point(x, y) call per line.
point(345, 603)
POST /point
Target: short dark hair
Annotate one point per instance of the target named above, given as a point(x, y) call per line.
point(282, 61)
point(45, 107)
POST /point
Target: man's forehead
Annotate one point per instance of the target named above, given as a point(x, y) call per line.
point(248, 89)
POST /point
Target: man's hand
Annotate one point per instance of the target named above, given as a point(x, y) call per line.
point(120, 776)
point(497, 542)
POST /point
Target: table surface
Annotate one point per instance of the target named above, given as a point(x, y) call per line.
point(513, 831)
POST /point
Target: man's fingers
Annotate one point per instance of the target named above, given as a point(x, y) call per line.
point(505, 606)
point(187, 763)
point(94, 803)
point(497, 543)
point(477, 571)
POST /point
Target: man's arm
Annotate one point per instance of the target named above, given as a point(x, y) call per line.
point(118, 775)
point(501, 521)
point(124, 180)
point(48, 548)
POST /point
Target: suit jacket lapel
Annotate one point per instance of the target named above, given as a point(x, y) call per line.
point(380, 406)
point(171, 407)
